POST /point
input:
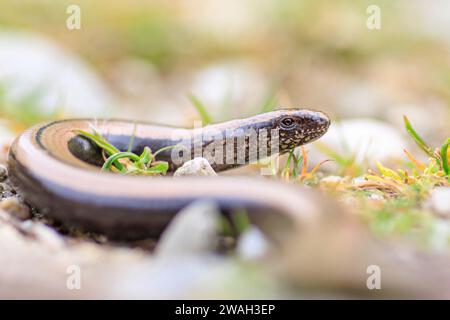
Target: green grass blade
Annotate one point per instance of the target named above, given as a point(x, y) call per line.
point(162, 150)
point(417, 138)
point(294, 169)
point(99, 140)
point(145, 157)
point(133, 136)
point(160, 167)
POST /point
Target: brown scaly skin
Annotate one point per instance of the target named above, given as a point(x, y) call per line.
point(53, 169)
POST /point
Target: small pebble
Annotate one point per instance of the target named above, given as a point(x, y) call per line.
point(5, 187)
point(193, 231)
point(3, 173)
point(15, 208)
point(6, 191)
point(360, 179)
point(48, 236)
point(439, 202)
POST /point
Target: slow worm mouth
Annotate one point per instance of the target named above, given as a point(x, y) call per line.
point(84, 149)
point(320, 132)
point(87, 151)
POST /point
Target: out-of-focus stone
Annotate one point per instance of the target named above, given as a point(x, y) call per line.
point(252, 244)
point(359, 179)
point(3, 173)
point(439, 201)
point(31, 268)
point(6, 191)
point(340, 252)
point(193, 231)
point(375, 196)
point(236, 83)
point(196, 167)
point(427, 118)
point(34, 66)
point(183, 258)
point(440, 235)
point(366, 140)
point(331, 181)
point(357, 90)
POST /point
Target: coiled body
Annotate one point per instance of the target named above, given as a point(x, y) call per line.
point(57, 171)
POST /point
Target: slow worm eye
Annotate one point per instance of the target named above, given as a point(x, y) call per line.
point(287, 122)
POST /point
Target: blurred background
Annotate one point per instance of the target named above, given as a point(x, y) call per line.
point(141, 59)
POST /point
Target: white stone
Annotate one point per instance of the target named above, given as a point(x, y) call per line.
point(440, 235)
point(367, 139)
point(348, 100)
point(16, 208)
point(331, 180)
point(230, 83)
point(193, 231)
point(32, 64)
point(439, 201)
point(6, 138)
point(360, 179)
point(252, 244)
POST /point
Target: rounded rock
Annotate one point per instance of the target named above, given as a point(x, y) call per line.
point(16, 208)
point(3, 173)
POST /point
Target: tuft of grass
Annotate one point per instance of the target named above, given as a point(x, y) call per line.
point(416, 183)
point(99, 140)
point(400, 217)
point(127, 162)
point(236, 224)
point(23, 112)
point(269, 103)
point(440, 156)
point(240, 220)
point(346, 162)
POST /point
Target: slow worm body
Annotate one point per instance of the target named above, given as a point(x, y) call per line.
point(57, 171)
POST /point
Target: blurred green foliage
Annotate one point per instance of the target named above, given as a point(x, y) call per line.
point(164, 33)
